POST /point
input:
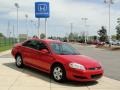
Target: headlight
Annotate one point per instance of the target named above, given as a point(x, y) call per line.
point(100, 64)
point(76, 66)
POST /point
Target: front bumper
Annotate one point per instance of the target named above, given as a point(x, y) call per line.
point(87, 75)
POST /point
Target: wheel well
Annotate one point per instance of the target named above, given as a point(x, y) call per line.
point(54, 64)
point(17, 54)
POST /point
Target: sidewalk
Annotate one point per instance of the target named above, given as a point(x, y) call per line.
point(13, 78)
point(5, 52)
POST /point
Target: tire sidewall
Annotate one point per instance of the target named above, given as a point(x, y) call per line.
point(63, 79)
point(19, 66)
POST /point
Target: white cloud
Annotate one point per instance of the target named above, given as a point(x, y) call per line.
point(63, 13)
point(116, 1)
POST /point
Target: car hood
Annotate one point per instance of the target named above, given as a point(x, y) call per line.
point(81, 59)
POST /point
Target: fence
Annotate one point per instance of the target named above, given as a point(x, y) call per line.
point(7, 41)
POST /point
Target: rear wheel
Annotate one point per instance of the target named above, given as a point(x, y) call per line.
point(58, 73)
point(19, 61)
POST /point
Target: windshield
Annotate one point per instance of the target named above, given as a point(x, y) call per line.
point(64, 49)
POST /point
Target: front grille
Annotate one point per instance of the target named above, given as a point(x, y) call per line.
point(94, 68)
point(80, 77)
point(96, 76)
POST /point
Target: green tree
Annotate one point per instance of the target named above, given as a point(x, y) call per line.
point(94, 38)
point(118, 32)
point(113, 37)
point(42, 36)
point(1, 35)
point(71, 37)
point(76, 37)
point(51, 37)
point(103, 34)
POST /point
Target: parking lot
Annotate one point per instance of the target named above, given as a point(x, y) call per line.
point(13, 78)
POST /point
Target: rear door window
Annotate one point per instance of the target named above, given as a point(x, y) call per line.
point(35, 45)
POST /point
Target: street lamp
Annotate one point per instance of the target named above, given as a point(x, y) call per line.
point(17, 7)
point(26, 16)
point(35, 25)
point(109, 2)
point(85, 25)
point(13, 35)
point(71, 31)
point(8, 31)
point(71, 27)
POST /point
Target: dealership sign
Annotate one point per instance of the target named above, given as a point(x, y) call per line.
point(42, 10)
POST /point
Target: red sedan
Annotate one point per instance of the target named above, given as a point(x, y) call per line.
point(58, 59)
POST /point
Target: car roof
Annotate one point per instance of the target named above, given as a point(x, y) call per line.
point(47, 40)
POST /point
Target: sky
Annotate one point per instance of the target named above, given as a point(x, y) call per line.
point(62, 13)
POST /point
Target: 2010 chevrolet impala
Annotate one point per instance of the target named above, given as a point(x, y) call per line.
point(57, 58)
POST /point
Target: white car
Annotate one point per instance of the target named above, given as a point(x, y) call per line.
point(116, 42)
point(119, 43)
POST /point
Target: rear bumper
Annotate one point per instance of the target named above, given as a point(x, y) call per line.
point(87, 75)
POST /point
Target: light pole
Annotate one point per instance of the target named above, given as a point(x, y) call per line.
point(109, 2)
point(45, 28)
point(38, 27)
point(26, 16)
point(13, 35)
point(71, 31)
point(71, 27)
point(17, 7)
point(8, 32)
point(35, 25)
point(85, 25)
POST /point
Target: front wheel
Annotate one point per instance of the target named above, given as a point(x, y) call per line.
point(19, 61)
point(58, 73)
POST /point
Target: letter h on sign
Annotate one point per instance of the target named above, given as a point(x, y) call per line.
point(42, 7)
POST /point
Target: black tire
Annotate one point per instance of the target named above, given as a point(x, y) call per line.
point(19, 61)
point(61, 75)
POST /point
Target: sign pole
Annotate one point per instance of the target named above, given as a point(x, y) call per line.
point(42, 11)
point(38, 27)
point(45, 28)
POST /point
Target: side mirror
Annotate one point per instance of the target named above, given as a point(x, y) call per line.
point(44, 51)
